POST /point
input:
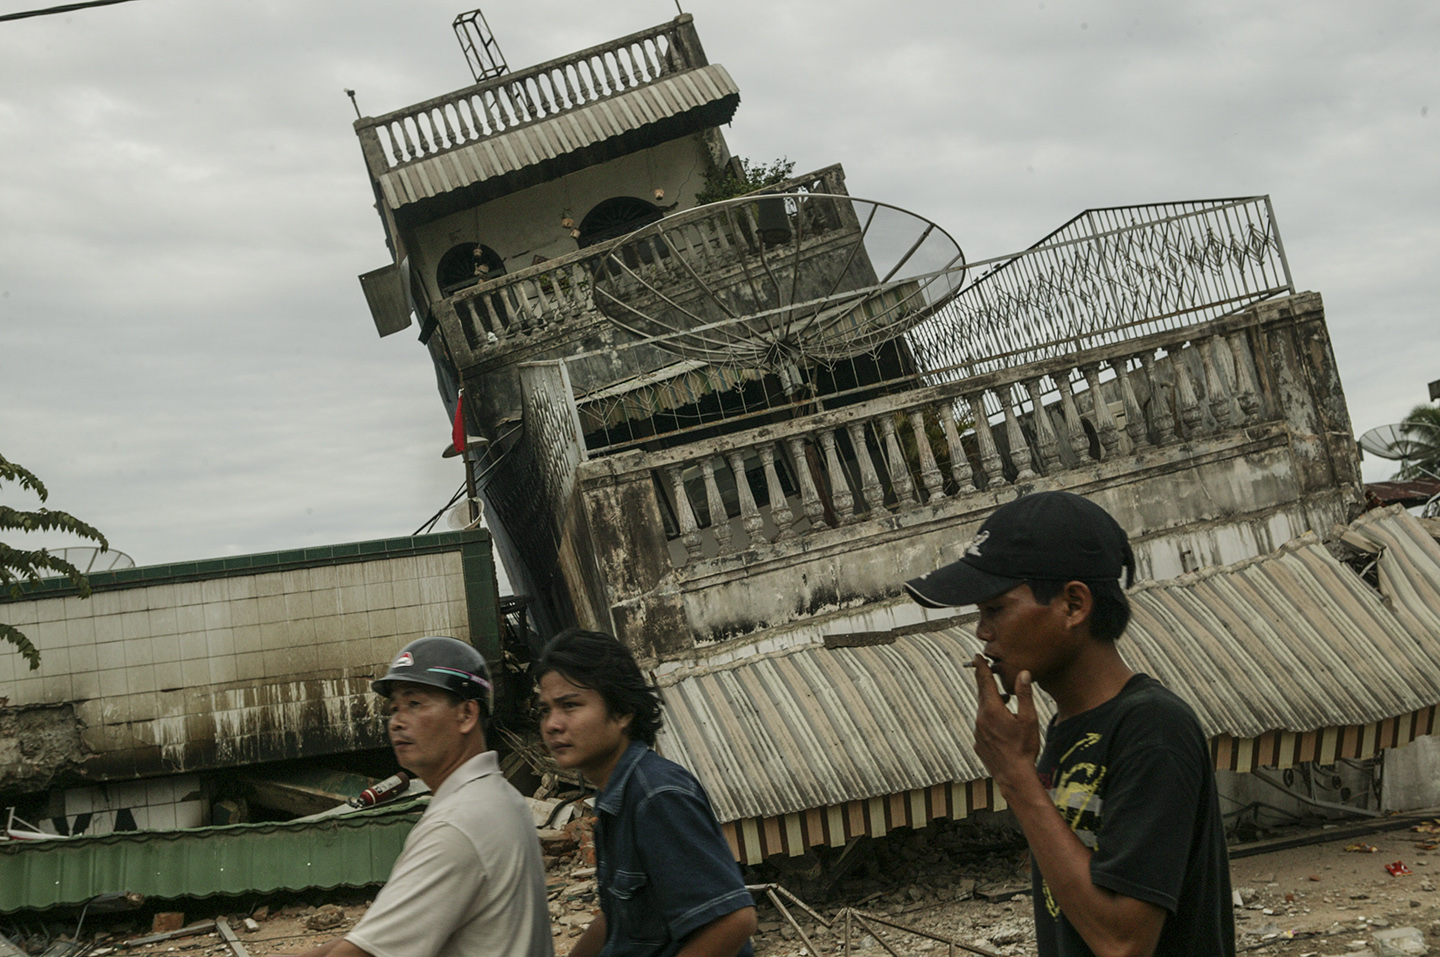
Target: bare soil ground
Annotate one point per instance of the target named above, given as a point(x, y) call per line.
point(955, 882)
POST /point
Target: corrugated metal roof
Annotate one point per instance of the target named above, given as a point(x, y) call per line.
point(352, 851)
point(1285, 657)
point(568, 132)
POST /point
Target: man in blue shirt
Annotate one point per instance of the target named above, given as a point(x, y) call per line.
point(669, 885)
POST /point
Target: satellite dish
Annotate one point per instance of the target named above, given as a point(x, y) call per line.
point(779, 282)
point(1401, 442)
point(89, 558)
point(458, 517)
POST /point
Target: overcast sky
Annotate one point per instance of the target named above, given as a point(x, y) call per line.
point(186, 357)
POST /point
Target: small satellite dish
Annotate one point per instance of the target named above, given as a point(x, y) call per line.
point(1401, 442)
point(458, 518)
point(89, 558)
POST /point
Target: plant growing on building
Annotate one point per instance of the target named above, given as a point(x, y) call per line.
point(19, 567)
point(1422, 426)
point(740, 176)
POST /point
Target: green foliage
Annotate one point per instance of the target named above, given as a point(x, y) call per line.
point(723, 182)
point(18, 566)
point(1422, 426)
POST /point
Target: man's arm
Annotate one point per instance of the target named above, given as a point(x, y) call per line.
point(722, 937)
point(1008, 743)
point(591, 941)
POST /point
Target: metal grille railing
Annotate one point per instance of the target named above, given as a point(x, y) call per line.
point(1106, 276)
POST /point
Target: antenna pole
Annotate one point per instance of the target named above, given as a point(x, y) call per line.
point(677, 8)
point(351, 94)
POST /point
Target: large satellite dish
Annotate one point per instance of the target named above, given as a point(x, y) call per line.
point(779, 282)
point(1402, 442)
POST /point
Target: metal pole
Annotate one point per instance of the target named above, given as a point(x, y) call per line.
point(1279, 245)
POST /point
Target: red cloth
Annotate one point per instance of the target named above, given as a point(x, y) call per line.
point(458, 432)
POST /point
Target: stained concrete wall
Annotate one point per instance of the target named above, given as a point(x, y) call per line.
point(526, 224)
point(218, 664)
point(1411, 777)
point(1214, 498)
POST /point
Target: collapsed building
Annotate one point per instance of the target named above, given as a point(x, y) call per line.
point(726, 432)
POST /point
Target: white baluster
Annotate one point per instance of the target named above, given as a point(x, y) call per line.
point(719, 519)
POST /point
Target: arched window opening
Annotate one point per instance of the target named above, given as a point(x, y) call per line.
point(616, 217)
point(466, 264)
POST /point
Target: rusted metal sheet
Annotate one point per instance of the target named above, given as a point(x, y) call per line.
point(664, 99)
point(1286, 658)
point(1412, 492)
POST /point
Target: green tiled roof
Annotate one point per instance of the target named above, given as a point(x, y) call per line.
point(350, 851)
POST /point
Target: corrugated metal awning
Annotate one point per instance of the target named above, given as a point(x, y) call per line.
point(569, 132)
point(351, 851)
point(1286, 658)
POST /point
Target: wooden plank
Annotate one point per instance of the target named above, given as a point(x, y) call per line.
point(204, 927)
point(223, 926)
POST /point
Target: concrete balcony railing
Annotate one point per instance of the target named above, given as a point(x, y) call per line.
point(523, 311)
point(513, 100)
point(903, 452)
point(1235, 426)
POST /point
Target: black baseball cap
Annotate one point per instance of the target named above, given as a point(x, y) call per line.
point(1048, 536)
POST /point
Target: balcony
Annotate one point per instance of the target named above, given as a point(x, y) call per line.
point(563, 307)
point(562, 115)
point(1160, 364)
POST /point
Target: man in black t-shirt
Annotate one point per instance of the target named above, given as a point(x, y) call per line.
point(1124, 826)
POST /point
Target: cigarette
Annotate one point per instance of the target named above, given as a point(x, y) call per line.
point(967, 664)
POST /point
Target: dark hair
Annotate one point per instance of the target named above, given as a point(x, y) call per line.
point(595, 660)
point(1110, 613)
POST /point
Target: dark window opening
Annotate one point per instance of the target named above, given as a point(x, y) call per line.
point(615, 217)
point(466, 264)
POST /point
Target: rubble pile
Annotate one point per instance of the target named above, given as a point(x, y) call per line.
point(952, 881)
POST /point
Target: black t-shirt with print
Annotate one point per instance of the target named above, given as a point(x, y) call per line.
point(1134, 780)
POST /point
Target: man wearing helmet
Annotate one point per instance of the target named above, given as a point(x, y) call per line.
point(470, 880)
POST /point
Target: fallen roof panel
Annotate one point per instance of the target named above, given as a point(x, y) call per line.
point(351, 851)
point(1282, 656)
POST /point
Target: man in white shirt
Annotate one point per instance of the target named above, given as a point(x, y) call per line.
point(470, 881)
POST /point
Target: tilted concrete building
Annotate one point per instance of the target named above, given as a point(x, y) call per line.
point(713, 476)
point(728, 432)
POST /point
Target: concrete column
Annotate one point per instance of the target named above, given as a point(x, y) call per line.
point(1247, 395)
point(989, 454)
point(840, 493)
point(1134, 415)
point(779, 504)
point(870, 485)
point(750, 519)
point(929, 469)
point(1100, 410)
point(1047, 445)
point(809, 496)
point(684, 514)
point(900, 480)
point(719, 519)
point(1191, 415)
point(1160, 412)
point(1019, 449)
point(1074, 431)
point(959, 463)
point(1214, 386)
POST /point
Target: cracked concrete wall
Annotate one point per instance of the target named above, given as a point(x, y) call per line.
point(175, 676)
point(1215, 498)
point(37, 745)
